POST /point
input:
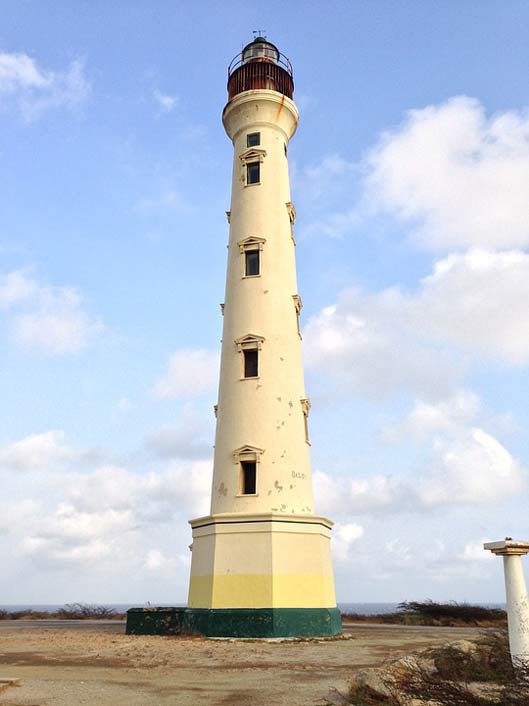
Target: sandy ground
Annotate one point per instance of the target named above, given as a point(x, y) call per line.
point(96, 664)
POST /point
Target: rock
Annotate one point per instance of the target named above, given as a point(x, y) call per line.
point(376, 680)
point(336, 698)
point(461, 662)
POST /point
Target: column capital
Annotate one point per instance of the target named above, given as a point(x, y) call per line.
point(507, 547)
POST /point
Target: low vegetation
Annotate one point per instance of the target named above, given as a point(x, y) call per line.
point(407, 613)
point(457, 674)
point(71, 611)
point(436, 614)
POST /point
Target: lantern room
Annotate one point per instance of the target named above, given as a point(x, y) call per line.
point(260, 65)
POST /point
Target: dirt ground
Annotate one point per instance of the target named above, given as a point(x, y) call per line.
point(96, 664)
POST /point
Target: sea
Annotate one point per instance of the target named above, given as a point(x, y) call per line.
point(360, 608)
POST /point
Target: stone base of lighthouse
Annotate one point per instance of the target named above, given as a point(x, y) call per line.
point(260, 575)
point(263, 575)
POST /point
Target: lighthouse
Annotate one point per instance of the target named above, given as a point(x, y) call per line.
point(261, 561)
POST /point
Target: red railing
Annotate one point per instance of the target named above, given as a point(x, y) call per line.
point(260, 73)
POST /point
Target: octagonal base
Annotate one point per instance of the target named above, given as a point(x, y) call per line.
point(235, 622)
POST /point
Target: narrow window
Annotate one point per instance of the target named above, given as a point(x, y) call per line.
point(306, 420)
point(292, 216)
point(253, 139)
point(252, 262)
point(297, 306)
point(305, 406)
point(253, 173)
point(248, 477)
point(285, 146)
point(251, 367)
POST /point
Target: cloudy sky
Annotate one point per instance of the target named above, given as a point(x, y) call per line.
point(410, 175)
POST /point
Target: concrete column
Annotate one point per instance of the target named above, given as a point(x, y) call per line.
point(517, 598)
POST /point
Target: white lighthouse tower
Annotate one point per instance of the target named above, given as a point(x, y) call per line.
point(261, 563)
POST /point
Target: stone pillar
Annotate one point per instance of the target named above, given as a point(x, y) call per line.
point(516, 594)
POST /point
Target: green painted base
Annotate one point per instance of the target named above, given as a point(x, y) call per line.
point(235, 622)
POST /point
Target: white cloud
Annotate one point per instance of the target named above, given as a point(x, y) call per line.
point(323, 188)
point(473, 551)
point(165, 197)
point(20, 71)
point(473, 304)
point(48, 318)
point(191, 437)
point(367, 342)
point(411, 562)
point(343, 538)
point(156, 560)
point(109, 486)
point(456, 175)
point(37, 452)
point(343, 495)
point(125, 405)
point(478, 301)
point(166, 102)
point(397, 553)
point(427, 418)
point(163, 564)
point(470, 467)
point(15, 514)
point(104, 517)
point(476, 469)
point(189, 372)
point(314, 179)
point(15, 287)
point(33, 89)
point(154, 496)
point(59, 327)
point(67, 525)
point(55, 551)
point(66, 535)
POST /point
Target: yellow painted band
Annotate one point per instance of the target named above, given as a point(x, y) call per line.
point(262, 591)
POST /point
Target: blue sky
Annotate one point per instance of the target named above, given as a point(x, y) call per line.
point(409, 174)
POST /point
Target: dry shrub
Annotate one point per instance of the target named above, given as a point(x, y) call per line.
point(450, 676)
point(82, 611)
point(430, 613)
point(23, 615)
point(452, 612)
point(71, 611)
